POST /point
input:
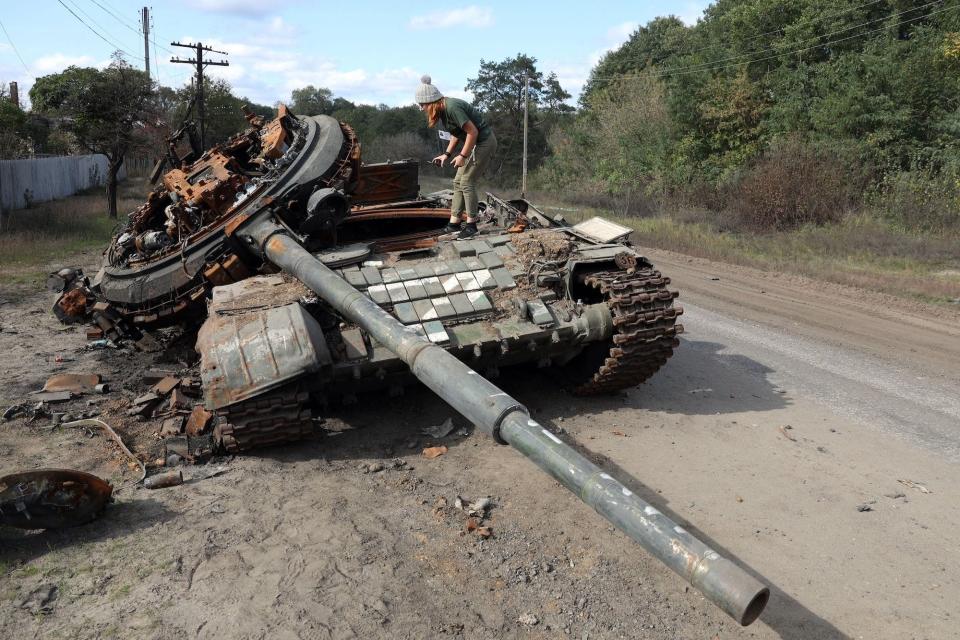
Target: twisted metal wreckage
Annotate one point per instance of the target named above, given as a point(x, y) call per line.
point(369, 297)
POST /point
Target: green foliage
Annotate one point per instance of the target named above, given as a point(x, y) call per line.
point(870, 88)
point(311, 101)
point(499, 92)
point(104, 110)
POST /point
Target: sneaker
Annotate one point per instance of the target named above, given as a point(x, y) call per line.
point(469, 230)
point(452, 227)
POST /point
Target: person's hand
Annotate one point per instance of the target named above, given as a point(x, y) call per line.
point(458, 161)
point(440, 159)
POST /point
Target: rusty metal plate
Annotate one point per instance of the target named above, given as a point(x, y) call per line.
point(387, 182)
point(51, 498)
point(246, 351)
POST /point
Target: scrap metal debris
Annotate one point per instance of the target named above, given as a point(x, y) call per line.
point(52, 498)
point(96, 422)
point(73, 382)
point(165, 479)
point(35, 411)
point(434, 452)
point(441, 430)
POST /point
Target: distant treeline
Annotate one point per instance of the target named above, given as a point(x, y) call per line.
point(783, 111)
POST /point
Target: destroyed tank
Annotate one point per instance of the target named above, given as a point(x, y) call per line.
point(322, 278)
point(577, 299)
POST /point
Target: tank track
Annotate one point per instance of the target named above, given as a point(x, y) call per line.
point(282, 415)
point(645, 328)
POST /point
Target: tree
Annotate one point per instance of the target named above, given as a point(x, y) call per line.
point(104, 110)
point(312, 101)
point(498, 92)
point(14, 140)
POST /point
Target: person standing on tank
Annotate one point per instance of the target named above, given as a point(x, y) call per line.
point(466, 123)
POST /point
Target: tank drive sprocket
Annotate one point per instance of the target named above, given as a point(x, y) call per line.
point(644, 336)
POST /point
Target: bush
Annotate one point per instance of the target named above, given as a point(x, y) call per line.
point(793, 185)
point(919, 200)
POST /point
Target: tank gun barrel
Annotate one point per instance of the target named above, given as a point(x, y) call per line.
point(730, 587)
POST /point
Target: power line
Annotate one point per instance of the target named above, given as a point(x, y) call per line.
point(76, 5)
point(97, 33)
point(139, 32)
point(709, 66)
point(116, 17)
point(156, 58)
point(828, 16)
point(814, 38)
point(19, 57)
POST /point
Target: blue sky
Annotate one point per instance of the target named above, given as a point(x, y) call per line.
point(366, 51)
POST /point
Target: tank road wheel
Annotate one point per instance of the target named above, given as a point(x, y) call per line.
point(644, 335)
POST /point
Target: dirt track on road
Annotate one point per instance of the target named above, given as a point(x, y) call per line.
point(790, 406)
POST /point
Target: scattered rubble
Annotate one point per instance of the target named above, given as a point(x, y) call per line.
point(914, 485)
point(441, 430)
point(528, 619)
point(94, 422)
point(73, 382)
point(434, 452)
point(165, 479)
point(41, 600)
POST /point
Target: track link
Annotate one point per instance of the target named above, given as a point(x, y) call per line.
point(645, 328)
point(282, 415)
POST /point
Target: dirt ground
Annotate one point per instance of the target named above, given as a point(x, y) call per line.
point(761, 436)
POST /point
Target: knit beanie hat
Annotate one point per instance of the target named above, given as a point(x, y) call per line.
point(426, 92)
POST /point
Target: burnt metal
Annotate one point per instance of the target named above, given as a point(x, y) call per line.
point(505, 419)
point(165, 479)
point(52, 498)
point(387, 182)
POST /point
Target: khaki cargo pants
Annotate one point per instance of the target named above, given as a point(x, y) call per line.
point(465, 182)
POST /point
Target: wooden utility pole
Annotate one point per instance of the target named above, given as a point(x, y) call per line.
point(15, 94)
point(146, 40)
point(526, 117)
point(200, 64)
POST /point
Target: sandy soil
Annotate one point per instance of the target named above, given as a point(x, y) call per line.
point(790, 406)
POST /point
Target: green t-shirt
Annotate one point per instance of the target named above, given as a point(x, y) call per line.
point(457, 113)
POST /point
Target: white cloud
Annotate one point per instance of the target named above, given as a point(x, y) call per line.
point(691, 12)
point(621, 32)
point(472, 16)
point(56, 62)
point(236, 7)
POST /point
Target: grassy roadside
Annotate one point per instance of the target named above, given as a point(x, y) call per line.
point(859, 251)
point(51, 233)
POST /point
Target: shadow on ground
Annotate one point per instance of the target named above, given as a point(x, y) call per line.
point(120, 520)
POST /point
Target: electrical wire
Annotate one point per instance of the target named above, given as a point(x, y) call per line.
point(137, 31)
point(97, 33)
point(156, 58)
point(828, 16)
point(15, 50)
point(708, 67)
point(116, 17)
point(814, 38)
point(76, 5)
